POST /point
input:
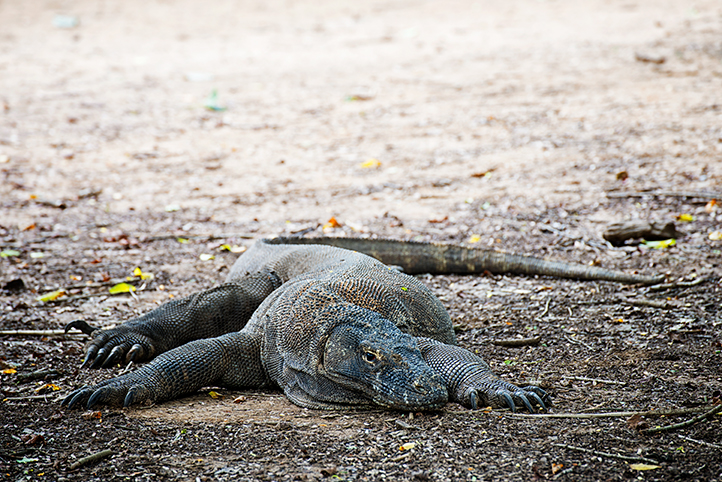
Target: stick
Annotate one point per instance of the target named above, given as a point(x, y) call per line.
point(50, 333)
point(663, 304)
point(597, 380)
point(90, 459)
point(578, 342)
point(701, 195)
point(701, 442)
point(518, 342)
point(606, 454)
point(650, 413)
point(679, 284)
point(713, 411)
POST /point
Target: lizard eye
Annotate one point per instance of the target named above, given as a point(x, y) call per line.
point(369, 357)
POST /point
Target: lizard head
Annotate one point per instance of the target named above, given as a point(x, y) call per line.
point(377, 361)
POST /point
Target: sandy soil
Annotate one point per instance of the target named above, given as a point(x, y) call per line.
point(526, 126)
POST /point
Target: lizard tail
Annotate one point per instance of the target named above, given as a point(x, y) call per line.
point(435, 258)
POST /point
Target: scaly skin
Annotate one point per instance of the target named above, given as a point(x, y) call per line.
point(329, 326)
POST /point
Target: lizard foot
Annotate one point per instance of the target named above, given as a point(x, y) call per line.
point(118, 391)
point(500, 394)
point(112, 346)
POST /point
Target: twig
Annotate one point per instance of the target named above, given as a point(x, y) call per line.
point(663, 304)
point(49, 333)
point(595, 380)
point(701, 442)
point(515, 342)
point(605, 454)
point(546, 309)
point(578, 342)
point(679, 284)
point(37, 375)
point(161, 237)
point(91, 458)
point(35, 397)
point(713, 411)
point(700, 195)
point(562, 473)
point(650, 413)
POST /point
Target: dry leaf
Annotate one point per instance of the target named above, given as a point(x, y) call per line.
point(9, 371)
point(51, 296)
point(407, 446)
point(215, 395)
point(715, 235)
point(710, 206)
point(643, 467)
point(556, 467)
point(121, 288)
point(331, 223)
point(475, 238)
point(206, 257)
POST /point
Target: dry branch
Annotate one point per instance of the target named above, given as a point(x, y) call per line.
point(90, 459)
point(606, 454)
point(650, 413)
point(709, 413)
point(516, 342)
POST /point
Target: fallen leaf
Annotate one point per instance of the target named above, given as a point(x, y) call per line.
point(47, 387)
point(556, 468)
point(206, 257)
point(26, 460)
point(121, 288)
point(407, 446)
point(482, 174)
point(171, 208)
point(240, 399)
point(182, 240)
point(710, 206)
point(685, 218)
point(622, 176)
point(635, 422)
point(715, 235)
point(6, 253)
point(332, 223)
point(475, 238)
point(215, 395)
point(666, 243)
point(51, 296)
point(9, 371)
point(90, 415)
point(37, 255)
point(372, 163)
point(141, 274)
point(643, 467)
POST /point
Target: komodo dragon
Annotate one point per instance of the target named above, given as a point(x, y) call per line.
point(331, 327)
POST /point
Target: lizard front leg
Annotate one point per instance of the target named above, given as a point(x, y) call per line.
point(206, 314)
point(470, 381)
point(232, 360)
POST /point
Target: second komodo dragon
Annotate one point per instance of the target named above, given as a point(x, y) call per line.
point(330, 326)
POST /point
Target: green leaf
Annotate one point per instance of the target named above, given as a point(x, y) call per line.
point(121, 288)
point(26, 460)
point(6, 253)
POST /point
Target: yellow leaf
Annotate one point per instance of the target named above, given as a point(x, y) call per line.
point(48, 386)
point(685, 218)
point(206, 257)
point(665, 243)
point(475, 238)
point(715, 235)
point(9, 371)
point(372, 163)
point(37, 255)
point(215, 395)
point(233, 249)
point(182, 240)
point(139, 272)
point(51, 296)
point(407, 446)
point(643, 467)
point(121, 288)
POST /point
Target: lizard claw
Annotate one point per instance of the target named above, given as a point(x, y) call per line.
point(80, 325)
point(109, 347)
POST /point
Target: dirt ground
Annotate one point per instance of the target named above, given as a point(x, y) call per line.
point(526, 126)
